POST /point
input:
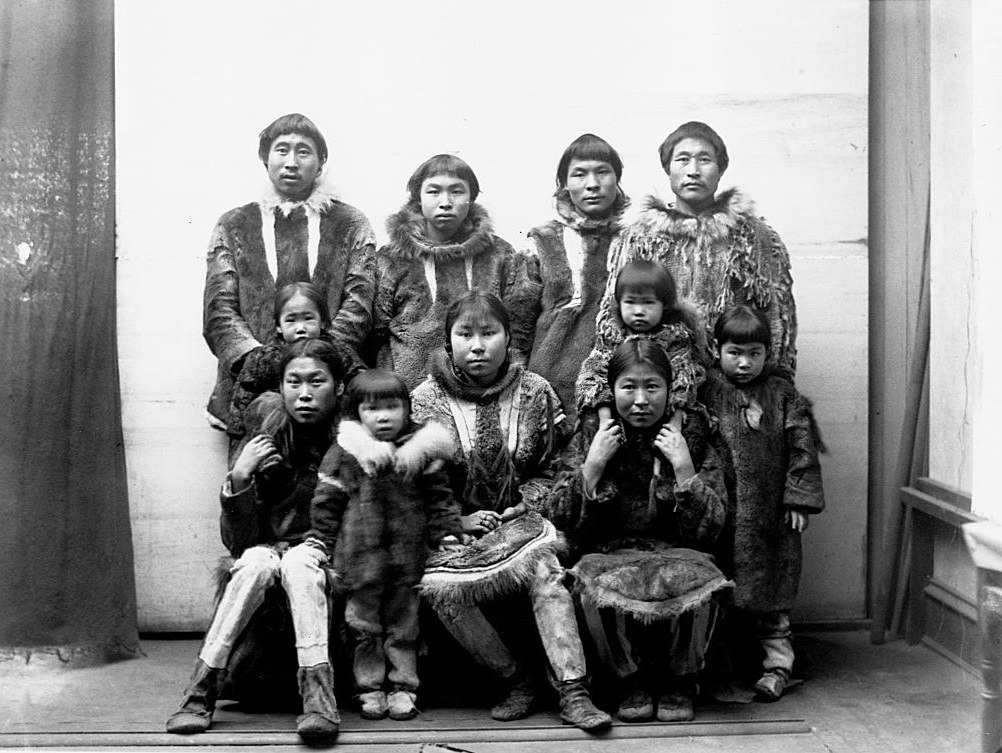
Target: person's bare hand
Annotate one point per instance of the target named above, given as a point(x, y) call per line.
point(675, 449)
point(450, 544)
point(796, 520)
point(480, 522)
point(256, 450)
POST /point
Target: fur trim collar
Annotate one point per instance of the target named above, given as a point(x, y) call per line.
point(406, 229)
point(728, 210)
point(443, 372)
point(572, 217)
point(410, 454)
point(318, 201)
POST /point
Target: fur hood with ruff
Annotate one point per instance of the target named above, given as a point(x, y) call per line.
point(408, 240)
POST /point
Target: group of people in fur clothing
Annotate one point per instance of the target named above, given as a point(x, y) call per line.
point(598, 436)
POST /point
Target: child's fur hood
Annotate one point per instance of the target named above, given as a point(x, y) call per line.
point(413, 453)
point(406, 229)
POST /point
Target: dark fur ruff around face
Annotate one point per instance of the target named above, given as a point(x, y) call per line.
point(409, 239)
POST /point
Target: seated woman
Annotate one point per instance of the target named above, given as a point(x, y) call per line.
point(505, 422)
point(633, 492)
point(265, 516)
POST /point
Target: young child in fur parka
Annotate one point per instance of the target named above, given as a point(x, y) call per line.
point(771, 444)
point(382, 500)
point(647, 306)
point(442, 244)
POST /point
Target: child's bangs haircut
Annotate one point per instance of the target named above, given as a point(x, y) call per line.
point(641, 275)
point(742, 325)
point(372, 385)
point(638, 351)
point(480, 307)
point(310, 292)
point(291, 123)
point(588, 146)
point(441, 164)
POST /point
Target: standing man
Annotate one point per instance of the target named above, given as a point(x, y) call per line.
point(297, 232)
point(717, 249)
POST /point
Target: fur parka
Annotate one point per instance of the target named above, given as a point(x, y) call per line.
point(637, 502)
point(417, 279)
point(565, 329)
point(275, 506)
point(533, 427)
point(239, 297)
point(771, 443)
point(725, 256)
point(379, 523)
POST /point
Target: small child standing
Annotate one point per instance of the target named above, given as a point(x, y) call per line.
point(301, 313)
point(769, 433)
point(647, 305)
point(381, 501)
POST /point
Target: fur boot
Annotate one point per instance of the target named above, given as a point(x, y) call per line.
point(195, 712)
point(320, 720)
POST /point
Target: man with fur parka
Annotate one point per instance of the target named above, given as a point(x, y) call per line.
point(441, 245)
point(572, 252)
point(715, 246)
point(297, 232)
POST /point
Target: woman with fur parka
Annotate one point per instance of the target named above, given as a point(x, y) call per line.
point(571, 253)
point(715, 246)
point(442, 245)
point(298, 232)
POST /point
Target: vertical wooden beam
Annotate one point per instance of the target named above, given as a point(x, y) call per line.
point(899, 190)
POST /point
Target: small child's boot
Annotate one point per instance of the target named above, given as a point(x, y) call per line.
point(374, 704)
point(195, 712)
point(401, 705)
point(320, 720)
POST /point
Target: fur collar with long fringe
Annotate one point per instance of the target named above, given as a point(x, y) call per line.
point(406, 229)
point(319, 200)
point(729, 208)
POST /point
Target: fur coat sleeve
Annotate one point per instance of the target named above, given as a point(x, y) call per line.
point(238, 519)
point(226, 332)
point(330, 499)
point(522, 295)
point(352, 318)
point(803, 490)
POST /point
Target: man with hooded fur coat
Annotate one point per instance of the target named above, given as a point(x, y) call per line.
point(719, 251)
point(297, 232)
